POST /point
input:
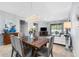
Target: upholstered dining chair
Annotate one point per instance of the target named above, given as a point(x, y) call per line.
point(17, 46)
point(46, 51)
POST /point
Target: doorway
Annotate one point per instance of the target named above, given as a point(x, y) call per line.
point(23, 27)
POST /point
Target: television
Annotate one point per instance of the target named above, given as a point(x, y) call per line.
point(43, 29)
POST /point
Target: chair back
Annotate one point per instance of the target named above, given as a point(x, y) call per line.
point(17, 44)
point(1, 39)
point(25, 37)
point(50, 47)
point(12, 41)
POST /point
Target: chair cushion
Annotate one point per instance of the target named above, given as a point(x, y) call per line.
point(43, 52)
point(28, 52)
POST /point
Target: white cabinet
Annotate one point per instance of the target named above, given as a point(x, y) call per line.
point(59, 40)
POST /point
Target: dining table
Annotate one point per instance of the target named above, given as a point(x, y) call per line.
point(35, 44)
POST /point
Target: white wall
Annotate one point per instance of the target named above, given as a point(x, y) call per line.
point(6, 18)
point(75, 29)
point(42, 24)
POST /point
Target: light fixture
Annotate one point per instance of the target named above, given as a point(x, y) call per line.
point(67, 25)
point(34, 27)
point(33, 18)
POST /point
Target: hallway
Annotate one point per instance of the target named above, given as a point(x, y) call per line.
point(58, 51)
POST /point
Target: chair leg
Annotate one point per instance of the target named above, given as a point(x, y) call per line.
point(17, 55)
point(12, 52)
point(34, 52)
point(51, 53)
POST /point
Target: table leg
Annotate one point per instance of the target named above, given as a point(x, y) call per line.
point(34, 52)
point(12, 52)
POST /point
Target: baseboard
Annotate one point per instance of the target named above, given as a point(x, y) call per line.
point(59, 44)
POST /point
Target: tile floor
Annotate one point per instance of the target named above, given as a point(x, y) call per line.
point(58, 51)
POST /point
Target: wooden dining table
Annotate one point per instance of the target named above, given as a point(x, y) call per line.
point(36, 44)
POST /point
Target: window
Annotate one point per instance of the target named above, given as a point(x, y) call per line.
point(56, 29)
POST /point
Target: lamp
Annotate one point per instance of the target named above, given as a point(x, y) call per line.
point(67, 26)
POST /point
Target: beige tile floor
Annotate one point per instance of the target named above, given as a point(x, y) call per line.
point(58, 51)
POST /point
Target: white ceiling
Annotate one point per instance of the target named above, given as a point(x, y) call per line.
point(46, 10)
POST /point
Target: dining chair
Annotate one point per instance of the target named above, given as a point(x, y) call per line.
point(46, 51)
point(1, 39)
point(13, 44)
point(17, 46)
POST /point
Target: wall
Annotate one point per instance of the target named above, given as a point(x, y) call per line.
point(43, 24)
point(75, 29)
point(6, 18)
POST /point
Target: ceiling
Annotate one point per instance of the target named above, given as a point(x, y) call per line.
point(47, 11)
